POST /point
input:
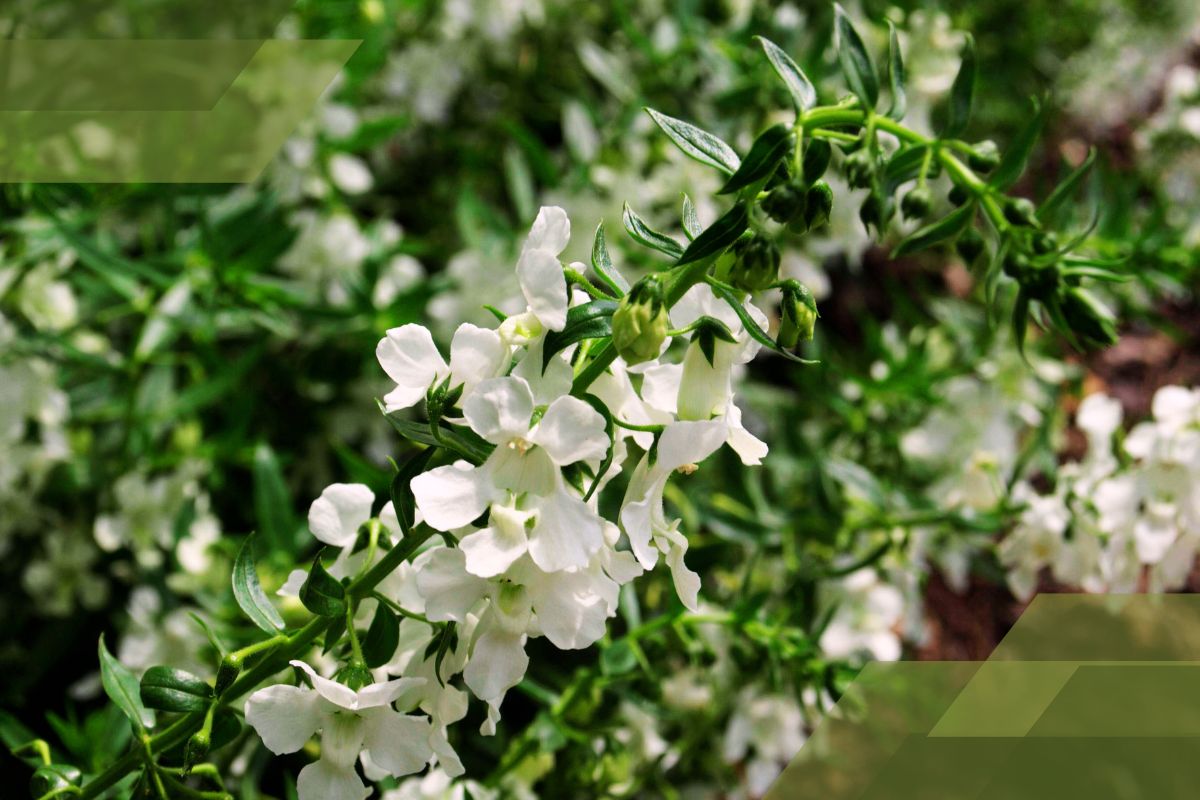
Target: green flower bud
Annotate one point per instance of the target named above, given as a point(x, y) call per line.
point(818, 205)
point(1020, 211)
point(1090, 319)
point(798, 315)
point(757, 265)
point(640, 323)
point(355, 675)
point(860, 168)
point(969, 244)
point(875, 210)
point(816, 160)
point(917, 202)
point(984, 156)
point(197, 748)
point(227, 672)
point(1015, 265)
point(958, 195)
point(1044, 242)
point(784, 203)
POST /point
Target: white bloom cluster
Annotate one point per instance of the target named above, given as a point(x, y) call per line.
point(545, 562)
point(1124, 514)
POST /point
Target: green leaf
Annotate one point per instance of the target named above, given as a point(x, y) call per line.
point(765, 154)
point(856, 62)
point(718, 236)
point(730, 296)
point(896, 75)
point(323, 594)
point(1017, 156)
point(170, 689)
point(947, 227)
point(588, 321)
point(249, 592)
point(645, 235)
point(122, 688)
point(382, 639)
point(462, 441)
point(226, 727)
point(803, 92)
point(402, 497)
point(1062, 193)
point(1020, 320)
point(602, 265)
point(962, 93)
point(609, 429)
point(618, 659)
point(691, 220)
point(272, 502)
point(696, 143)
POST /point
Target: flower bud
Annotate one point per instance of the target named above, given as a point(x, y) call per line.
point(640, 323)
point(969, 244)
point(984, 156)
point(958, 195)
point(1089, 319)
point(818, 205)
point(355, 675)
point(859, 168)
point(227, 672)
point(197, 748)
point(798, 315)
point(784, 203)
point(757, 265)
point(917, 202)
point(1020, 211)
point(816, 160)
point(1044, 242)
point(1015, 264)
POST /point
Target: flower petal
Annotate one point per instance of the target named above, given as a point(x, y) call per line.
point(452, 496)
point(570, 431)
point(550, 231)
point(450, 592)
point(688, 443)
point(285, 717)
point(491, 551)
point(498, 663)
point(335, 516)
point(322, 780)
point(410, 358)
point(566, 533)
point(334, 692)
point(545, 287)
point(384, 694)
point(476, 354)
point(499, 409)
point(398, 743)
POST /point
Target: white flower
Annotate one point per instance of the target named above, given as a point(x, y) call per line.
point(548, 520)
point(867, 616)
point(352, 724)
point(1036, 542)
point(410, 358)
point(540, 274)
point(335, 517)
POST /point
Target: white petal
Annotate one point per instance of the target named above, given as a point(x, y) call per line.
point(291, 587)
point(660, 386)
point(475, 355)
point(397, 742)
point(570, 609)
point(688, 443)
point(570, 431)
point(285, 717)
point(450, 497)
point(704, 388)
point(1173, 405)
point(447, 758)
point(547, 384)
point(499, 409)
point(450, 592)
point(335, 516)
point(1099, 416)
point(491, 551)
point(566, 533)
point(550, 231)
point(498, 663)
point(750, 449)
point(336, 693)
point(545, 287)
point(410, 358)
point(384, 694)
point(322, 780)
point(687, 582)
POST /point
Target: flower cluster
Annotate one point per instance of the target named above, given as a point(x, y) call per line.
point(525, 550)
point(1126, 516)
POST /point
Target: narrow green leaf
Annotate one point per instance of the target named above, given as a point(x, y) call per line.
point(1020, 321)
point(272, 502)
point(691, 220)
point(383, 636)
point(904, 166)
point(756, 333)
point(1062, 193)
point(644, 235)
point(248, 592)
point(962, 93)
point(323, 594)
point(718, 236)
point(1015, 158)
point(462, 441)
point(402, 497)
point(765, 154)
point(122, 688)
point(609, 430)
point(945, 228)
point(896, 76)
point(856, 62)
point(170, 689)
point(803, 92)
point(602, 265)
point(588, 321)
point(696, 143)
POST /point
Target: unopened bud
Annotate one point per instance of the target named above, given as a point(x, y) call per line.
point(860, 168)
point(816, 160)
point(984, 156)
point(1020, 211)
point(784, 203)
point(1044, 242)
point(757, 265)
point(640, 323)
point(1089, 319)
point(227, 672)
point(818, 205)
point(355, 675)
point(196, 749)
point(958, 195)
point(798, 315)
point(917, 202)
point(969, 245)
